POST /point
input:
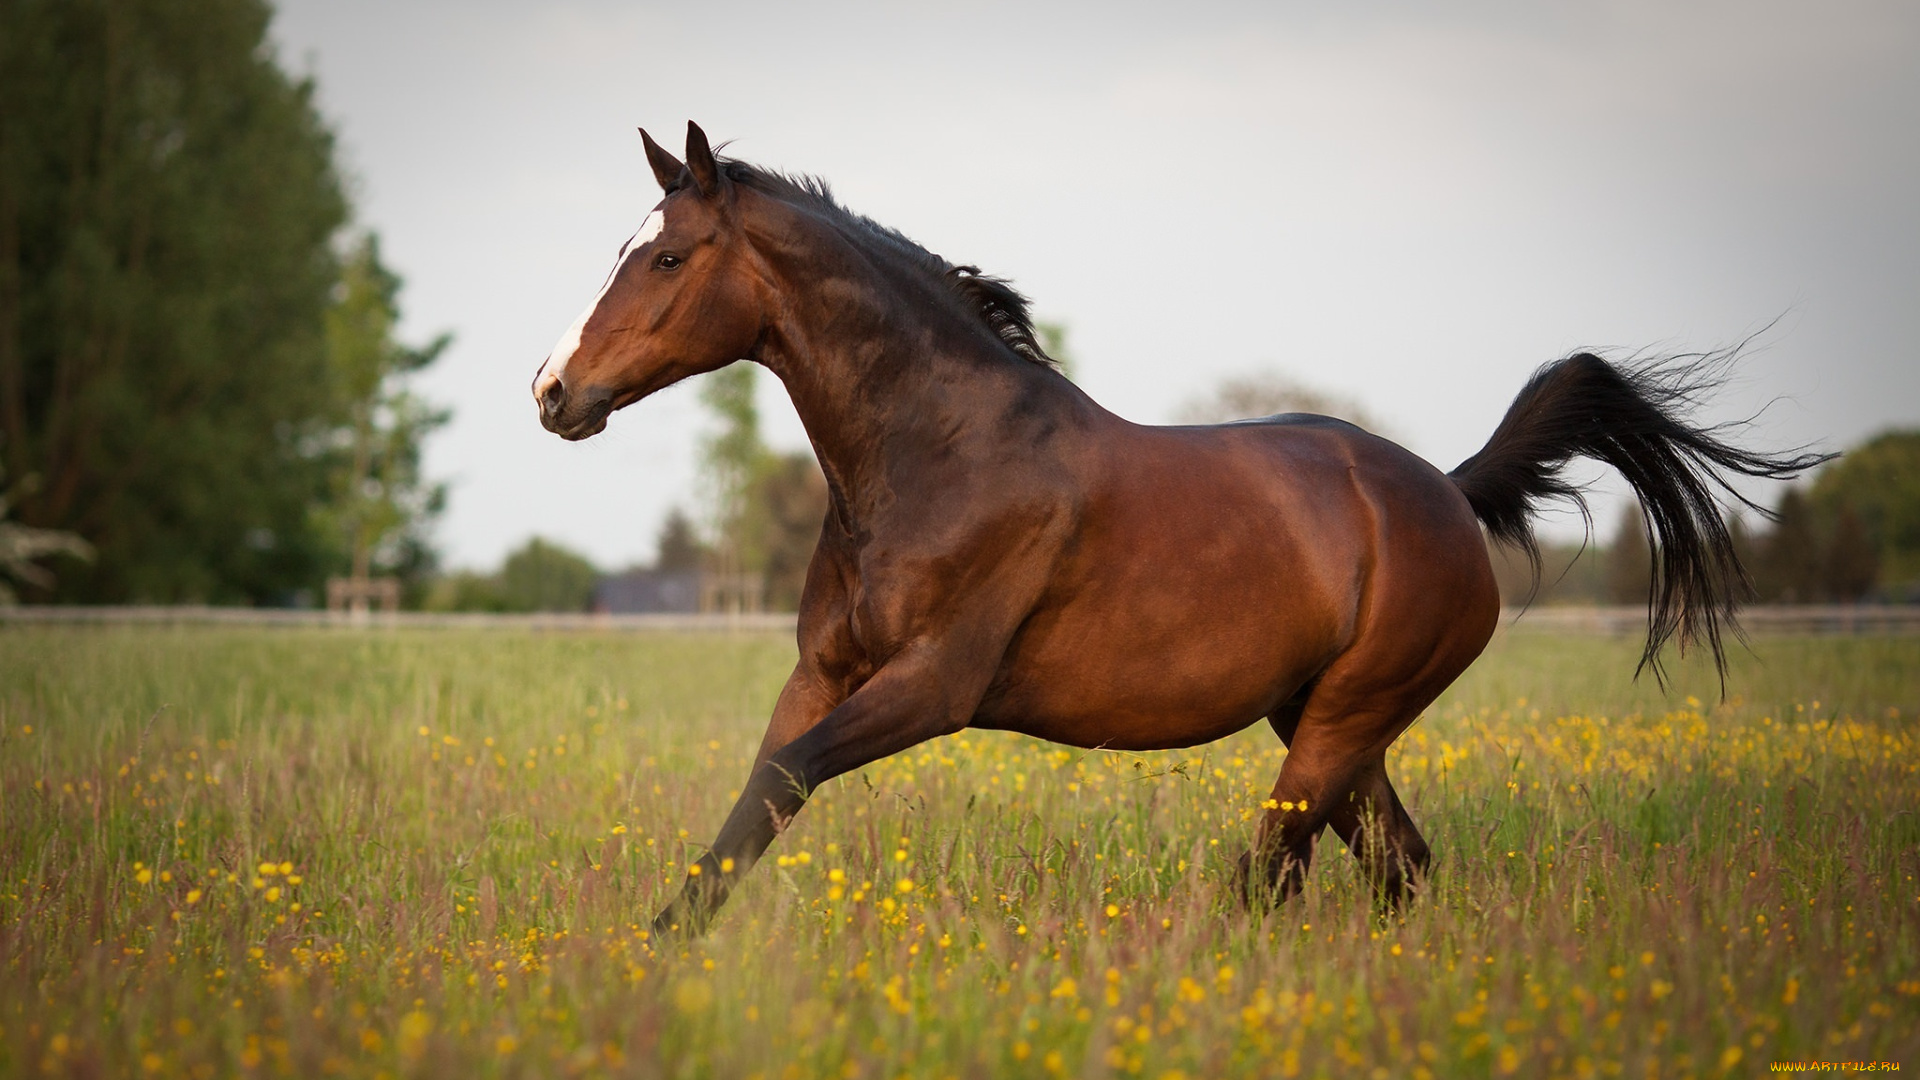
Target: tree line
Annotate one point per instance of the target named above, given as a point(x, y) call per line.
point(199, 384)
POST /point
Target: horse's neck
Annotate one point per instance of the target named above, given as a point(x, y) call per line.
point(874, 404)
point(885, 371)
point(892, 388)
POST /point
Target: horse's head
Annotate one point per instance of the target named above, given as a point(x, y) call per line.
point(681, 299)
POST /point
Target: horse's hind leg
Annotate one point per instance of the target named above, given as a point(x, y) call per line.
point(1376, 827)
point(1314, 781)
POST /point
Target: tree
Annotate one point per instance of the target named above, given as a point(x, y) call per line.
point(1747, 547)
point(1630, 560)
point(1266, 393)
point(730, 460)
point(464, 590)
point(1880, 481)
point(1788, 568)
point(1852, 565)
point(791, 495)
point(543, 576)
point(767, 507)
point(167, 203)
point(378, 504)
point(678, 548)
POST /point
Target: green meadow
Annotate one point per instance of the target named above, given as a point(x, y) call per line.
point(314, 852)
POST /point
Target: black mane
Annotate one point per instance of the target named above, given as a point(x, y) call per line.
point(993, 300)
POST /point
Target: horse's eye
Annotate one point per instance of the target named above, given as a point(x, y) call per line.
point(667, 262)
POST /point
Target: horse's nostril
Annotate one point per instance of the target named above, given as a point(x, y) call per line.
point(552, 398)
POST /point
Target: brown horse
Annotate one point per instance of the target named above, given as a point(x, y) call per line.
point(1001, 552)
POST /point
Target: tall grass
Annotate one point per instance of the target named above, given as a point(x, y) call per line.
point(305, 852)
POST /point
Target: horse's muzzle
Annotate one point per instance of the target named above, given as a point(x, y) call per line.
point(574, 416)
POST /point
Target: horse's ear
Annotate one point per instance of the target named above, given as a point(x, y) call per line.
point(706, 172)
point(666, 167)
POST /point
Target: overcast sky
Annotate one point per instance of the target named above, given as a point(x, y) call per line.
point(1411, 205)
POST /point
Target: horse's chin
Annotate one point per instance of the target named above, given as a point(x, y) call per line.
point(585, 432)
point(588, 423)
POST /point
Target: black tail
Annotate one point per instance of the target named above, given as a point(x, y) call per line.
point(1629, 417)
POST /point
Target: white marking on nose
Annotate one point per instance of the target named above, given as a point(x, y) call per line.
point(556, 364)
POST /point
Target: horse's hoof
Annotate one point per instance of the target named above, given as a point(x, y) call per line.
point(673, 925)
point(684, 919)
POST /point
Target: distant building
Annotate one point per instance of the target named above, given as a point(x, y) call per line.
point(636, 592)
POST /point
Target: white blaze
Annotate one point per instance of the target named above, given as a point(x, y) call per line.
point(556, 364)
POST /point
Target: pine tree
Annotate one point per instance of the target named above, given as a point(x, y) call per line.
point(167, 204)
point(1789, 570)
point(1851, 565)
point(1630, 561)
point(678, 548)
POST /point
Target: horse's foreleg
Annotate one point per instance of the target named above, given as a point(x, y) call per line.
point(803, 702)
point(903, 705)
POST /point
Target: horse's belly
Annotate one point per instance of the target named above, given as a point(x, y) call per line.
point(1133, 726)
point(1160, 668)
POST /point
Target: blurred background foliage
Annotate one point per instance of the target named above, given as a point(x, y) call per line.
point(765, 507)
point(539, 576)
